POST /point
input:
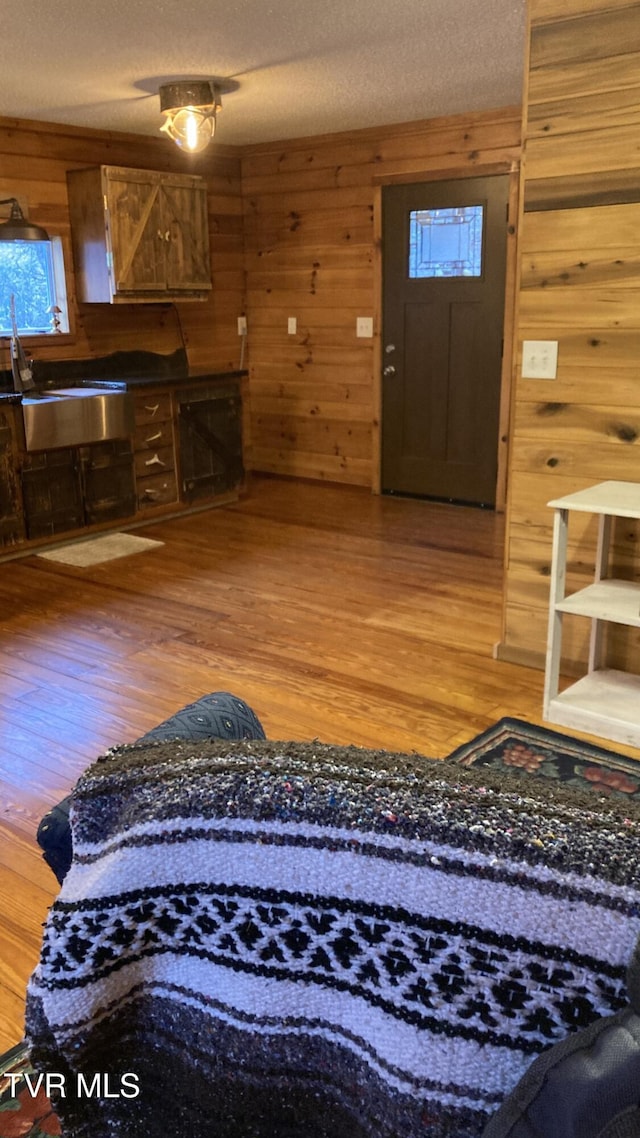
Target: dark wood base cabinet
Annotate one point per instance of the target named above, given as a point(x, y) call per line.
point(51, 493)
point(186, 451)
point(108, 483)
point(68, 489)
point(210, 426)
point(11, 514)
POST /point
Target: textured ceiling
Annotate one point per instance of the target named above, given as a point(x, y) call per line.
point(292, 67)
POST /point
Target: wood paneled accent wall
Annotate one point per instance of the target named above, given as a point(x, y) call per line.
point(579, 285)
point(312, 247)
point(307, 211)
point(34, 159)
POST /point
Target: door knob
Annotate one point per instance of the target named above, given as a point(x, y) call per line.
point(389, 370)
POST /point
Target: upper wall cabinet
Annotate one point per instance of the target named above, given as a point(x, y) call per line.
point(138, 235)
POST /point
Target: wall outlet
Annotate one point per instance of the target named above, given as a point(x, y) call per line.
point(364, 326)
point(292, 325)
point(539, 359)
point(242, 325)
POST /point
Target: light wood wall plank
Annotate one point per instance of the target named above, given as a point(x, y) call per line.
point(557, 269)
point(594, 77)
point(592, 112)
point(603, 33)
point(575, 229)
point(585, 385)
point(318, 466)
point(599, 307)
point(585, 152)
point(543, 11)
point(569, 423)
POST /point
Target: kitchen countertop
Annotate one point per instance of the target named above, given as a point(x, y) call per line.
point(170, 381)
point(132, 383)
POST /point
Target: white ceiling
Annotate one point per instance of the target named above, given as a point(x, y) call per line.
point(295, 67)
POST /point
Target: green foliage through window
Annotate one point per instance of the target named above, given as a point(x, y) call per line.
point(27, 273)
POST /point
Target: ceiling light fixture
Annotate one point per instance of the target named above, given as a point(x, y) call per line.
point(191, 107)
point(17, 228)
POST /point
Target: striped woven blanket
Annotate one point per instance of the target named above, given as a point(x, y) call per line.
point(260, 940)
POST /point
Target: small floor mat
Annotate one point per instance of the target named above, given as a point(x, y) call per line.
point(98, 549)
point(515, 745)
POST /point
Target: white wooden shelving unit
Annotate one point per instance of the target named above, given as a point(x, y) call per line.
point(605, 701)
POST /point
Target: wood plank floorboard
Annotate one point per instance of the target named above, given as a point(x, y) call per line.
point(337, 614)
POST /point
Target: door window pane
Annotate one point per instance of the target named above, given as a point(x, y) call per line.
point(446, 242)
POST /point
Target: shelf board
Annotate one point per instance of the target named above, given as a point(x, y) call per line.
point(604, 703)
point(620, 499)
point(617, 601)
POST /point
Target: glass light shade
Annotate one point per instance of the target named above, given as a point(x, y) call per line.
point(191, 128)
point(190, 108)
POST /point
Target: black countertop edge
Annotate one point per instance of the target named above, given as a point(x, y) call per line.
point(165, 380)
point(133, 383)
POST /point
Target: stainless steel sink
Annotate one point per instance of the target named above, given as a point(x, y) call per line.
point(75, 416)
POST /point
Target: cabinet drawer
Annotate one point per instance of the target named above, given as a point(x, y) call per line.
point(150, 436)
point(156, 490)
point(152, 408)
point(155, 461)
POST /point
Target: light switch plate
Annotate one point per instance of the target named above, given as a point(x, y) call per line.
point(292, 325)
point(364, 326)
point(539, 359)
point(242, 325)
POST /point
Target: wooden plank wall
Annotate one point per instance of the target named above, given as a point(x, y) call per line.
point(34, 159)
point(580, 285)
point(311, 235)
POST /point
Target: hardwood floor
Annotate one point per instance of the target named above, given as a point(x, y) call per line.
point(336, 614)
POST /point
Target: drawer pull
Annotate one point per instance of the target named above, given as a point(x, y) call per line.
point(155, 461)
point(152, 438)
point(152, 408)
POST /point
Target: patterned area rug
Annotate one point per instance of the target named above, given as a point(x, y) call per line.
point(512, 745)
point(25, 1110)
point(98, 549)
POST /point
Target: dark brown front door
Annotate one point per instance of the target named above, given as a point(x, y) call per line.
point(444, 262)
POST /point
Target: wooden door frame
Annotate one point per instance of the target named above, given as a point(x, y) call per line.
point(507, 372)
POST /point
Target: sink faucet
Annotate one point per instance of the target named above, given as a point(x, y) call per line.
point(20, 367)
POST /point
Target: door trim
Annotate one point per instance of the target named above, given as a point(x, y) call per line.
point(507, 372)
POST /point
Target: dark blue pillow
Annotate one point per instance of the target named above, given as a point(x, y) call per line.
point(54, 838)
point(586, 1086)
